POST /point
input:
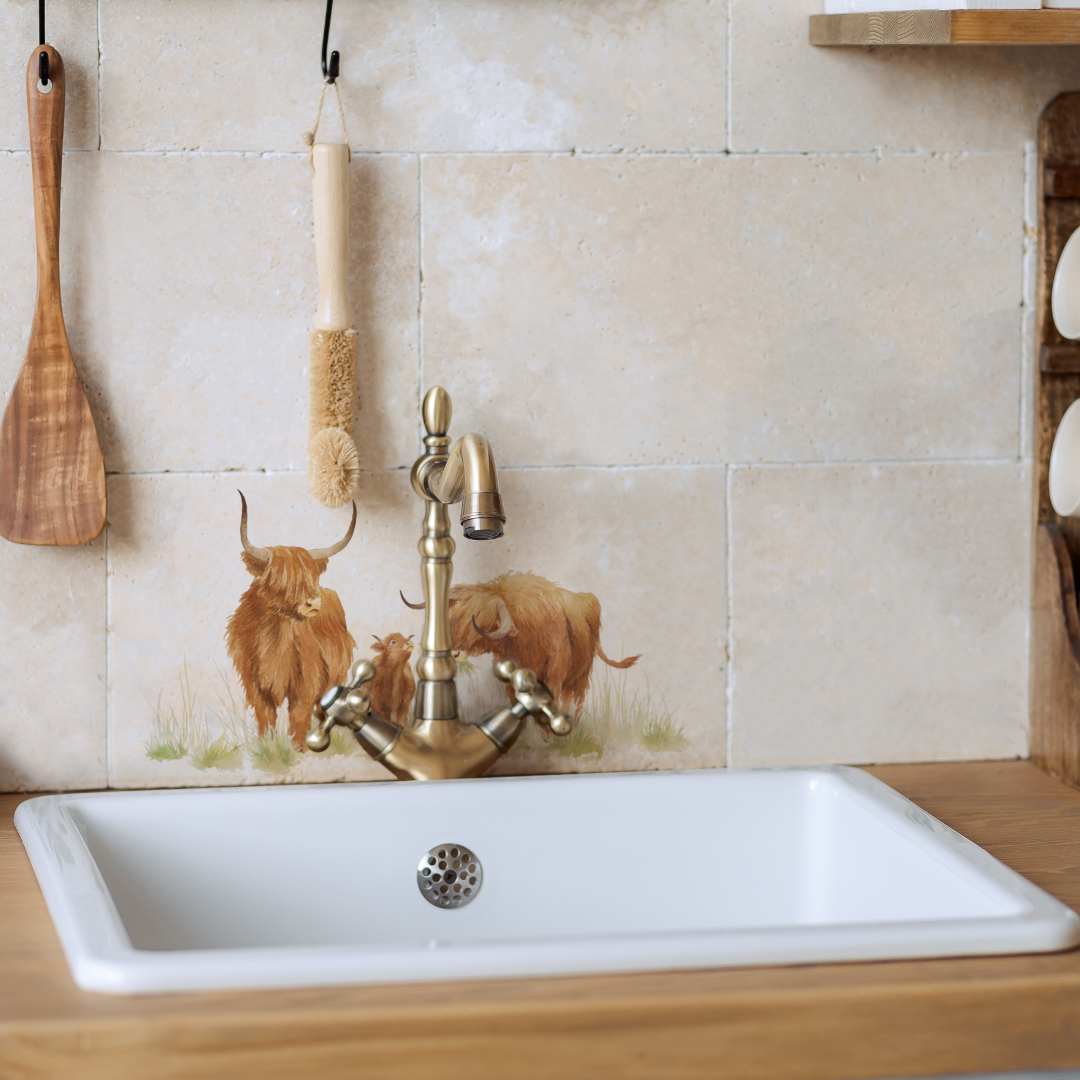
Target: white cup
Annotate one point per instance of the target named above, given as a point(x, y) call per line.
point(1065, 293)
point(1065, 464)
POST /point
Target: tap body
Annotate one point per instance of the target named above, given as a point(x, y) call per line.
point(439, 746)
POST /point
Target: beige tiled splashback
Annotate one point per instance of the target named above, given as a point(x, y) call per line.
point(747, 322)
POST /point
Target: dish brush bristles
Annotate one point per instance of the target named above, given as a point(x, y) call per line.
point(333, 463)
point(333, 467)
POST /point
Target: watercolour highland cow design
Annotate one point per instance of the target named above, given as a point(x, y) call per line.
point(288, 640)
point(243, 716)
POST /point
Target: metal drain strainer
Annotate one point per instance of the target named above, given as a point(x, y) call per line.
point(449, 876)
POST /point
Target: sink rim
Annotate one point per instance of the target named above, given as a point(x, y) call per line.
point(102, 958)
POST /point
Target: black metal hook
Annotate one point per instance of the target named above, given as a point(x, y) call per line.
point(43, 56)
point(329, 73)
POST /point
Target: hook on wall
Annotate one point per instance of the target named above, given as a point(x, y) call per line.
point(329, 73)
point(43, 56)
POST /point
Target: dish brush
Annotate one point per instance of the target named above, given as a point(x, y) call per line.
point(333, 462)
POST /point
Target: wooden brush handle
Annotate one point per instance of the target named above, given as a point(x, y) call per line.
point(331, 199)
point(46, 158)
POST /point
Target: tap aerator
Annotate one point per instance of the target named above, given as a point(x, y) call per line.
point(483, 529)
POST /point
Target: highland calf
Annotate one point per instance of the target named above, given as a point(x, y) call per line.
point(393, 687)
point(288, 639)
point(542, 626)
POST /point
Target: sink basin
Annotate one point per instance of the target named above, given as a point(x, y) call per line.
point(287, 886)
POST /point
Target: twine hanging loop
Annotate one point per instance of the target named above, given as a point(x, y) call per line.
point(309, 136)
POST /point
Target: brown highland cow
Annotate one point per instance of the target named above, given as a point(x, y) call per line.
point(288, 639)
point(393, 687)
point(542, 626)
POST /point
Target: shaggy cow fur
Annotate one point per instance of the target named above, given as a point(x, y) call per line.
point(288, 639)
point(393, 687)
point(554, 631)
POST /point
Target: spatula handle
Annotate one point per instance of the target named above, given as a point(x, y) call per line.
point(46, 158)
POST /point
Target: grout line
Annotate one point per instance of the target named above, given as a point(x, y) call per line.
point(729, 667)
point(827, 463)
point(616, 466)
point(728, 78)
point(856, 463)
point(682, 152)
point(105, 540)
point(99, 55)
point(1028, 351)
point(421, 374)
point(1028, 299)
point(253, 471)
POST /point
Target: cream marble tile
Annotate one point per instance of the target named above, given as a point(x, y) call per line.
point(650, 545)
point(879, 613)
point(789, 95)
point(175, 577)
point(52, 667)
point(71, 28)
point(190, 290)
point(670, 309)
point(417, 74)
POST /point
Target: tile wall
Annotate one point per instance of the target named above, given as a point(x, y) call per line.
point(747, 322)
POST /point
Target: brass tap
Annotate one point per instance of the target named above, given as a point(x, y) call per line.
point(439, 746)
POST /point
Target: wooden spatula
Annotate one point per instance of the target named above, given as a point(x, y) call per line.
point(52, 474)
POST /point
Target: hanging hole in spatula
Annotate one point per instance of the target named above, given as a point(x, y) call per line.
point(44, 84)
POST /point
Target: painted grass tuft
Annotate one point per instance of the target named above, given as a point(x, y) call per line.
point(167, 742)
point(578, 744)
point(342, 742)
point(273, 751)
point(218, 737)
point(174, 730)
point(661, 734)
point(219, 753)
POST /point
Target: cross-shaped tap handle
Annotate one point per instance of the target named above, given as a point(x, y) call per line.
point(533, 696)
point(346, 705)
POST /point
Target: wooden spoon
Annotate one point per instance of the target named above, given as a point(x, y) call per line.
point(52, 474)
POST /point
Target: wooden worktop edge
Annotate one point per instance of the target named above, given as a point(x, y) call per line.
point(788, 1036)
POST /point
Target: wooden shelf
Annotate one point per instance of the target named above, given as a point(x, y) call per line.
point(1038, 27)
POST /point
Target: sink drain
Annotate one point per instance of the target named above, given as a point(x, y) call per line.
point(449, 876)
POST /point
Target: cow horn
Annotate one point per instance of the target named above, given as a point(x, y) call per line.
point(325, 553)
point(506, 624)
point(415, 607)
point(255, 552)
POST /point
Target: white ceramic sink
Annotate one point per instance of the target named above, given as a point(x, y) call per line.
point(288, 886)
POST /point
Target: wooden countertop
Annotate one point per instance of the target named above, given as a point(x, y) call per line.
point(903, 1018)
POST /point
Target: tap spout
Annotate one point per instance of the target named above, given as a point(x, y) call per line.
point(465, 473)
point(469, 476)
